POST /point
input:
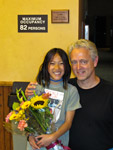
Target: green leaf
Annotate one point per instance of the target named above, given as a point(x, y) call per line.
point(15, 105)
point(23, 95)
point(17, 94)
point(34, 93)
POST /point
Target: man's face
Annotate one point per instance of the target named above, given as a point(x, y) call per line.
point(82, 64)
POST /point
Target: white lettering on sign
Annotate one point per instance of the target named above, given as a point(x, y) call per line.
point(36, 28)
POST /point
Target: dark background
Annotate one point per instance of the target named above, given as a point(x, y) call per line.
point(98, 14)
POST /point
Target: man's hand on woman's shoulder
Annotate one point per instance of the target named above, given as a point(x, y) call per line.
point(30, 88)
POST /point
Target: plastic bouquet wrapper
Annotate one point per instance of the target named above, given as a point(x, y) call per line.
point(32, 116)
point(57, 145)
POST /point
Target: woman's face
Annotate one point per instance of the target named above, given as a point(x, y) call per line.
point(56, 67)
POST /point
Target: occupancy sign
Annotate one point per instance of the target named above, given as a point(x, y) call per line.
point(32, 23)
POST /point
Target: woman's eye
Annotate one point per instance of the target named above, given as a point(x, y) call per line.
point(61, 63)
point(52, 63)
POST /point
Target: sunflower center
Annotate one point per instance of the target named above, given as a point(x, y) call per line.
point(39, 103)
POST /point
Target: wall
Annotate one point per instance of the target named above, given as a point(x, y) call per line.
point(22, 53)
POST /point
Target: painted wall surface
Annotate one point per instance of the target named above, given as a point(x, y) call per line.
point(22, 53)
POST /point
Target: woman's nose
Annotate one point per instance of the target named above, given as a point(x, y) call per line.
point(56, 66)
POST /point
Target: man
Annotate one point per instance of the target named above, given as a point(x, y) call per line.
point(92, 127)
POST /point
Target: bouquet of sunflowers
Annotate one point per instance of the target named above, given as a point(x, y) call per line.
point(29, 116)
point(32, 116)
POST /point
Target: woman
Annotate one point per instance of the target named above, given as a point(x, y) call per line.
point(53, 77)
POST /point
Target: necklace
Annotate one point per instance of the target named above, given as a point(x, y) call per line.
point(56, 80)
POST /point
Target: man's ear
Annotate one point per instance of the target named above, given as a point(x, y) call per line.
point(96, 61)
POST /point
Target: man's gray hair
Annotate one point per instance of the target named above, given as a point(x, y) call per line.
point(83, 43)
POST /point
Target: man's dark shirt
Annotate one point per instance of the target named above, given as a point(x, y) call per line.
point(92, 127)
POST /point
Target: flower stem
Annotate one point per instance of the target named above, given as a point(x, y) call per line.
point(29, 130)
point(37, 120)
point(23, 95)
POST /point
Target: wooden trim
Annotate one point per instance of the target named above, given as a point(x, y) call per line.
point(5, 83)
point(1, 120)
point(5, 137)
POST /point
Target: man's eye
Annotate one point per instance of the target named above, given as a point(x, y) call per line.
point(83, 62)
point(73, 62)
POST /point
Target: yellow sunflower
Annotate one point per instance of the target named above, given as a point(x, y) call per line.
point(39, 102)
point(25, 105)
point(21, 112)
point(14, 116)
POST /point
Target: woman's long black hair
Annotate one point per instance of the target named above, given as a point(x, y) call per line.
point(43, 77)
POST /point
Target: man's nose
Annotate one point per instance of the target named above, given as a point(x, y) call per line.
point(78, 65)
